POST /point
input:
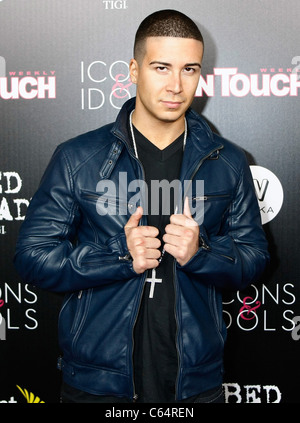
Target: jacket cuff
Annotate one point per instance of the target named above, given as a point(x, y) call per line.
point(203, 239)
point(118, 245)
point(203, 247)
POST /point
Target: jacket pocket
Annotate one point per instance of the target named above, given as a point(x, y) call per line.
point(105, 216)
point(212, 210)
point(72, 317)
point(109, 204)
point(216, 308)
point(81, 310)
point(211, 197)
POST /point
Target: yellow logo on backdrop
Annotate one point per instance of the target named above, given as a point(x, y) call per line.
point(30, 397)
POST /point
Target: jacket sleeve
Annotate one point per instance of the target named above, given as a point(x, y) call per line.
point(47, 254)
point(238, 255)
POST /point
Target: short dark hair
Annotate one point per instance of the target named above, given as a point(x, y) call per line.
point(165, 23)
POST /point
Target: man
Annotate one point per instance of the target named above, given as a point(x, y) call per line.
point(142, 317)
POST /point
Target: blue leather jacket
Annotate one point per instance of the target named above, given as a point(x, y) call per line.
point(64, 245)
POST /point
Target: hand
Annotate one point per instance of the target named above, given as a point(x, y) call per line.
point(182, 236)
point(142, 243)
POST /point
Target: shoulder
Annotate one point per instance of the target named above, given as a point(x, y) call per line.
point(232, 154)
point(82, 148)
point(89, 142)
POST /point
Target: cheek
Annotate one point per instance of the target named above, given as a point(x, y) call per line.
point(151, 88)
point(190, 90)
point(145, 84)
point(191, 85)
point(153, 81)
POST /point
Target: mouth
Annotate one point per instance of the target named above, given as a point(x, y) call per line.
point(172, 104)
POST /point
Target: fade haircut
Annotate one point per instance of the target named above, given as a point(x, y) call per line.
point(164, 23)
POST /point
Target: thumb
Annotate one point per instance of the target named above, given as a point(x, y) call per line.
point(186, 208)
point(187, 213)
point(135, 218)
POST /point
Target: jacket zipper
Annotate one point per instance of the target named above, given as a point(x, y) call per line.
point(177, 331)
point(176, 318)
point(135, 395)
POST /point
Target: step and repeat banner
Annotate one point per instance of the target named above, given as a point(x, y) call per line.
point(64, 71)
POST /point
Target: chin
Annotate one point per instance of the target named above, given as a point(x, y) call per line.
point(172, 115)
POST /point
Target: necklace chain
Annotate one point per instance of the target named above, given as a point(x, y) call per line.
point(133, 137)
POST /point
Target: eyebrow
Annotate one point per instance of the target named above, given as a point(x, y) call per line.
point(187, 65)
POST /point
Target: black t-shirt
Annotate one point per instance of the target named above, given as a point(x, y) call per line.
point(155, 354)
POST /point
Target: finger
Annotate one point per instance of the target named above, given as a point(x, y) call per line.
point(173, 250)
point(147, 231)
point(141, 250)
point(152, 243)
point(182, 240)
point(187, 212)
point(152, 254)
point(151, 264)
point(178, 235)
point(142, 263)
point(186, 208)
point(135, 218)
point(178, 219)
point(182, 220)
point(172, 240)
point(174, 229)
point(139, 244)
point(146, 242)
point(190, 221)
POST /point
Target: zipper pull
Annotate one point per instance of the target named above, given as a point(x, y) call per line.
point(127, 257)
point(204, 198)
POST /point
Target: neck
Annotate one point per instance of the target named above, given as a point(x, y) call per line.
point(133, 138)
point(160, 133)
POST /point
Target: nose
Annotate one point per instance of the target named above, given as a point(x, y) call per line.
point(175, 83)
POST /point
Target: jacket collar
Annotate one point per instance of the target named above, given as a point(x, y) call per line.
point(200, 136)
point(120, 127)
point(201, 144)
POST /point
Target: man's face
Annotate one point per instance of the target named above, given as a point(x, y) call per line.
point(167, 77)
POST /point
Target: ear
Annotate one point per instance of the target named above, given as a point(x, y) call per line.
point(133, 70)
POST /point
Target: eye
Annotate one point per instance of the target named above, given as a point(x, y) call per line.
point(162, 69)
point(189, 70)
